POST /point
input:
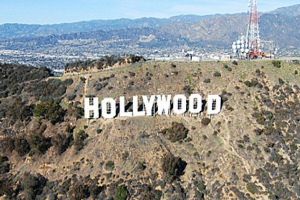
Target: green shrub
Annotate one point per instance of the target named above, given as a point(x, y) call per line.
point(281, 81)
point(252, 188)
point(16, 109)
point(205, 121)
point(149, 193)
point(4, 165)
point(207, 80)
point(7, 187)
point(99, 130)
point(7, 145)
point(201, 188)
point(110, 165)
point(39, 144)
point(79, 139)
point(235, 62)
point(173, 167)
point(69, 128)
point(217, 74)
point(79, 190)
point(62, 142)
point(75, 111)
point(227, 67)
point(71, 97)
point(296, 62)
point(248, 83)
point(14, 77)
point(93, 188)
point(82, 79)
point(188, 89)
point(131, 74)
point(50, 89)
point(50, 110)
point(68, 82)
point(121, 193)
point(21, 146)
point(33, 185)
point(253, 83)
point(277, 63)
point(178, 132)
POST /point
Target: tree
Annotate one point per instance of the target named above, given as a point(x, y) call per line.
point(50, 110)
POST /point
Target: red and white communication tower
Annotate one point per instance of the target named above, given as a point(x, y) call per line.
point(251, 46)
point(253, 43)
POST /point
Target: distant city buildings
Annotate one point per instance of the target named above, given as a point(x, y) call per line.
point(57, 59)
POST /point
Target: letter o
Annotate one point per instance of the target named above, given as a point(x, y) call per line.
point(108, 107)
point(195, 103)
point(176, 100)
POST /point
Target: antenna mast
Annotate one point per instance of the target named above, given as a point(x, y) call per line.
point(251, 46)
point(252, 37)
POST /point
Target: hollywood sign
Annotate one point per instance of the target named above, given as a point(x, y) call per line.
point(110, 108)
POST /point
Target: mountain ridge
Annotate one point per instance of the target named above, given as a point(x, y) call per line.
point(145, 36)
point(101, 24)
point(289, 10)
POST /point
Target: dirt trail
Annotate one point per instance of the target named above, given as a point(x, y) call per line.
point(230, 148)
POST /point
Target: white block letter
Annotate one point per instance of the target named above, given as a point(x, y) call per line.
point(123, 112)
point(91, 108)
point(195, 103)
point(149, 103)
point(214, 104)
point(179, 104)
point(163, 104)
point(108, 106)
point(136, 112)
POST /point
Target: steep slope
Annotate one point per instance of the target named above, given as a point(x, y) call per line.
point(249, 151)
point(284, 30)
point(221, 28)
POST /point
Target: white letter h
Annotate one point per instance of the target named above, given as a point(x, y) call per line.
point(91, 107)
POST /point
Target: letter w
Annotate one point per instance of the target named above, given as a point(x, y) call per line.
point(163, 104)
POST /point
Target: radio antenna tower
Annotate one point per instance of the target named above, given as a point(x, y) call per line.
point(252, 37)
point(251, 46)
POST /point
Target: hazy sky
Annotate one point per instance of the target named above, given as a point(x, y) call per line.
point(58, 11)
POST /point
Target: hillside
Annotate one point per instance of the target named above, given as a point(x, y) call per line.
point(292, 11)
point(249, 151)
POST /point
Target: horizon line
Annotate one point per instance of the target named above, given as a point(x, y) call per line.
point(136, 18)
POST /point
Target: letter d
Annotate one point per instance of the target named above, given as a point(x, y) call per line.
point(214, 104)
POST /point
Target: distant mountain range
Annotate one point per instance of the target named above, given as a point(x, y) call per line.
point(212, 31)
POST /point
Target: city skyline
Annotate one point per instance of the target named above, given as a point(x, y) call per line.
point(66, 11)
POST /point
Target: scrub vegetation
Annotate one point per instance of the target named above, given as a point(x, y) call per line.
point(248, 151)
